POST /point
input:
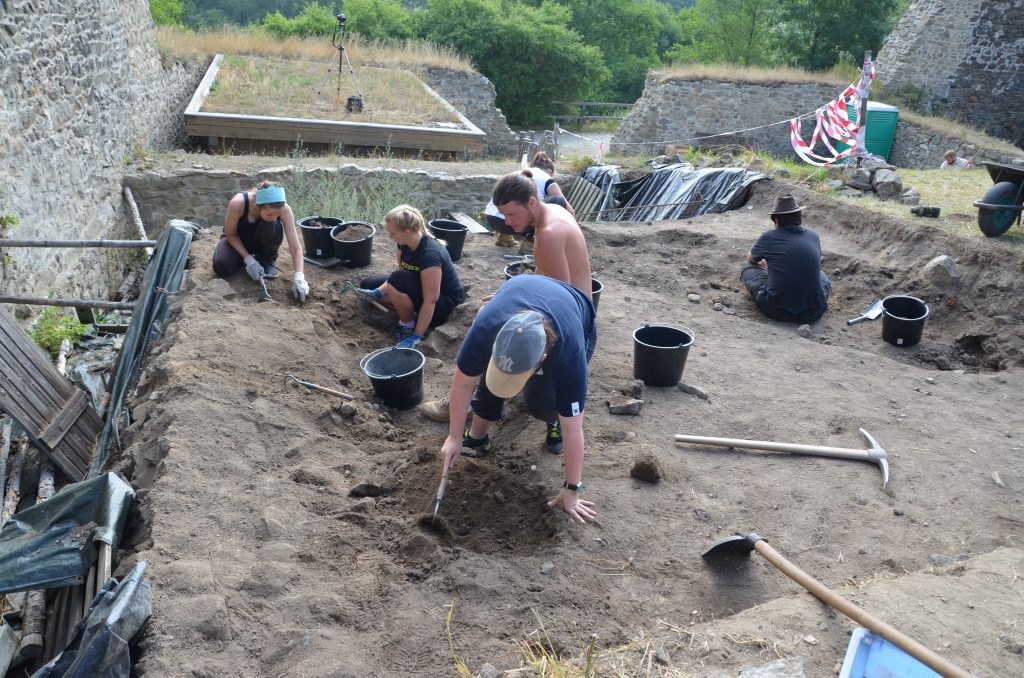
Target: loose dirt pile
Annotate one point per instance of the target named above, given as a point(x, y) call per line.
point(265, 565)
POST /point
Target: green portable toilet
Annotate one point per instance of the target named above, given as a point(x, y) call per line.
point(881, 128)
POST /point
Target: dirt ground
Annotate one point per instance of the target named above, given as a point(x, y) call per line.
point(264, 564)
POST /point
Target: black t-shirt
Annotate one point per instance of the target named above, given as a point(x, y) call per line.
point(794, 269)
point(431, 253)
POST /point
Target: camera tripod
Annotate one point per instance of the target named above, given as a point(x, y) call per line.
point(354, 104)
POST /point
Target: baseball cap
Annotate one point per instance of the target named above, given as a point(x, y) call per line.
point(518, 350)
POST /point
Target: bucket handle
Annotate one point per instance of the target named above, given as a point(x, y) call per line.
point(693, 339)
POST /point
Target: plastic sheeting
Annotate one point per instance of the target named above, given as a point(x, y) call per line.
point(100, 644)
point(163, 276)
point(52, 544)
point(675, 191)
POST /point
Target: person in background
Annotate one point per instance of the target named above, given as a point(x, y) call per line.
point(547, 191)
point(951, 161)
point(425, 288)
point(783, 271)
point(537, 336)
point(257, 222)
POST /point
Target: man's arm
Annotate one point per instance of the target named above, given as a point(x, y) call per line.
point(580, 509)
point(458, 404)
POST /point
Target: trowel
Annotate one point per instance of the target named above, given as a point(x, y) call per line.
point(264, 295)
point(870, 313)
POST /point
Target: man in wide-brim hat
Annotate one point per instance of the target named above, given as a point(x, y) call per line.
point(783, 274)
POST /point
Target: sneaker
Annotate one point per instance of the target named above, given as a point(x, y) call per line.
point(270, 271)
point(480, 446)
point(553, 440)
point(436, 410)
point(506, 240)
point(402, 332)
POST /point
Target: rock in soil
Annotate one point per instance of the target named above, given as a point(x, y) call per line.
point(624, 405)
point(646, 469)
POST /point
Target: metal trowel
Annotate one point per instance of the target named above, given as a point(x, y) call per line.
point(870, 313)
point(265, 295)
point(440, 495)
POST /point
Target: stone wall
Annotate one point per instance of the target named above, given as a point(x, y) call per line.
point(917, 147)
point(82, 88)
point(473, 95)
point(962, 59)
point(676, 110)
point(201, 195)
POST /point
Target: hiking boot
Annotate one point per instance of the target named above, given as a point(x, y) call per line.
point(506, 240)
point(553, 440)
point(481, 446)
point(526, 246)
point(402, 332)
point(436, 410)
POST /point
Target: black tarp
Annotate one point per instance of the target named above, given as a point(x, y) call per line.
point(99, 647)
point(674, 191)
point(52, 544)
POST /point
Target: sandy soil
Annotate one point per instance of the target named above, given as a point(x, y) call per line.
point(265, 565)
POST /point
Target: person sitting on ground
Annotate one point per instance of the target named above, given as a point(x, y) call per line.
point(951, 161)
point(257, 221)
point(536, 335)
point(783, 274)
point(547, 191)
point(425, 288)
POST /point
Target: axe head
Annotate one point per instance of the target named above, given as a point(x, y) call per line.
point(877, 454)
point(735, 545)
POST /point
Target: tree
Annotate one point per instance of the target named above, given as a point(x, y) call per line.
point(166, 12)
point(730, 31)
point(527, 52)
point(817, 35)
point(379, 19)
point(314, 19)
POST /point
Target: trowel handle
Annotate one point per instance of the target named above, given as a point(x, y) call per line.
point(862, 617)
point(859, 319)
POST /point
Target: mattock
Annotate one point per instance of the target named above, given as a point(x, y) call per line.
point(875, 453)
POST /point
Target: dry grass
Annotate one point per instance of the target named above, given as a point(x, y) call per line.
point(197, 46)
point(965, 133)
point(255, 85)
point(747, 74)
point(953, 191)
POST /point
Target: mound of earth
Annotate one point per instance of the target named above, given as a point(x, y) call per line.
point(265, 564)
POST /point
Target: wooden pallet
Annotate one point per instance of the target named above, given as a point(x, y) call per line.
point(57, 417)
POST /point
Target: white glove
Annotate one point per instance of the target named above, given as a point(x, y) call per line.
point(253, 268)
point(301, 286)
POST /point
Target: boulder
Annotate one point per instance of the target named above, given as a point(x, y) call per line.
point(887, 184)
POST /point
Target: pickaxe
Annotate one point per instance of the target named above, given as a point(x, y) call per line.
point(875, 453)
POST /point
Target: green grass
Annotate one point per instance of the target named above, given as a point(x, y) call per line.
point(254, 85)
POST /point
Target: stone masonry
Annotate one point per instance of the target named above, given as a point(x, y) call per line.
point(82, 88)
point(964, 59)
point(474, 95)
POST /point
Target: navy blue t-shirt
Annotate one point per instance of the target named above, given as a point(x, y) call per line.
point(794, 269)
point(569, 313)
point(430, 253)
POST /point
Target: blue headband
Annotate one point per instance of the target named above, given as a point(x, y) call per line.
point(269, 195)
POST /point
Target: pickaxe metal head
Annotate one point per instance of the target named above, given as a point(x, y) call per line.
point(877, 454)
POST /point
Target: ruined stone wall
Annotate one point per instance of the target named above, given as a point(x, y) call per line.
point(473, 95)
point(918, 147)
point(200, 196)
point(962, 59)
point(82, 89)
point(679, 109)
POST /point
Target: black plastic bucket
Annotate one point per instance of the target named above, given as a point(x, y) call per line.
point(659, 354)
point(595, 290)
point(903, 319)
point(452, 232)
point(316, 236)
point(396, 375)
point(516, 268)
point(353, 253)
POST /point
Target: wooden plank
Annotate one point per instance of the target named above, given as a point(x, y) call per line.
point(52, 434)
point(469, 222)
point(36, 357)
point(9, 642)
point(203, 91)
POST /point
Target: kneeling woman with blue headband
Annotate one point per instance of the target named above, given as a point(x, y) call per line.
point(258, 220)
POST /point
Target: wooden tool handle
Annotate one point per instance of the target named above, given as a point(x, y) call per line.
point(816, 450)
point(872, 623)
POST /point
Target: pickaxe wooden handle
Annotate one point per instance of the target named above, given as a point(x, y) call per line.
point(874, 454)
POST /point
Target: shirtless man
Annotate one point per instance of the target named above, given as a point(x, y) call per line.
point(559, 249)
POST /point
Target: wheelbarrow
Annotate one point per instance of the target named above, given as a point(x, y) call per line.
point(1003, 203)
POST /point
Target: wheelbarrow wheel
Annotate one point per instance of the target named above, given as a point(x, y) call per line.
point(995, 222)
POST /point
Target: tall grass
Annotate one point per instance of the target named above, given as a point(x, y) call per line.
point(197, 46)
point(840, 75)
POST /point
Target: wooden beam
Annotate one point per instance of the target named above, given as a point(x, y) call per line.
point(31, 242)
point(73, 303)
point(59, 426)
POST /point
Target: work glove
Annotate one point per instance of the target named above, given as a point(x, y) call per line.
point(301, 287)
point(253, 268)
point(369, 295)
point(412, 341)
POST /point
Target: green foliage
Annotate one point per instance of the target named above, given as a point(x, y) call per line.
point(817, 35)
point(527, 52)
point(7, 222)
point(216, 13)
point(53, 326)
point(729, 31)
point(166, 12)
point(314, 19)
point(379, 19)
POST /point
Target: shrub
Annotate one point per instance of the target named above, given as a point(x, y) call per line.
point(53, 326)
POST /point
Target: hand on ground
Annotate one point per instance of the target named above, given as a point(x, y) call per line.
point(580, 509)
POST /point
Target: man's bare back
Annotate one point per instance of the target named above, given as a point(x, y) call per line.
point(559, 249)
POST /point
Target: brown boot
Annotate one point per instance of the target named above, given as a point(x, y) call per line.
point(436, 410)
point(506, 240)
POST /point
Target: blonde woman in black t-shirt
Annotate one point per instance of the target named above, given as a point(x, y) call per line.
point(425, 288)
